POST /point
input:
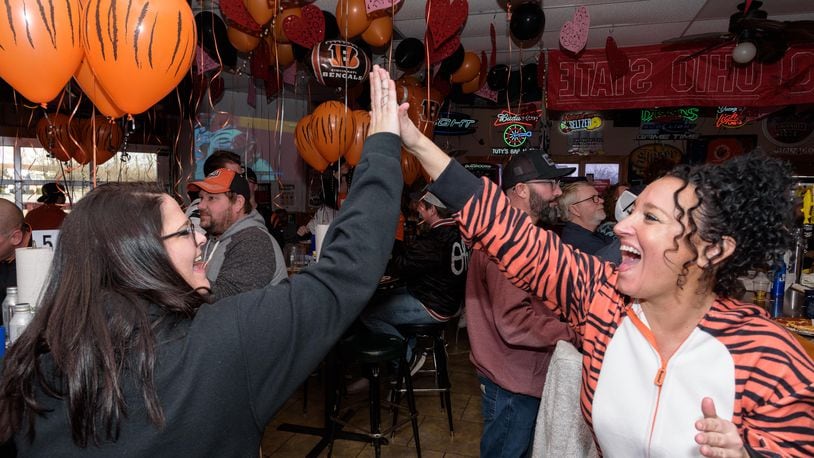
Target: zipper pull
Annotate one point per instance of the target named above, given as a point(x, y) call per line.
point(659, 380)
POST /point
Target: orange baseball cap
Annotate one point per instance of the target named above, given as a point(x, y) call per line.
point(221, 181)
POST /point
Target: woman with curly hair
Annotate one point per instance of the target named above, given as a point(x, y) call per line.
point(672, 365)
point(125, 357)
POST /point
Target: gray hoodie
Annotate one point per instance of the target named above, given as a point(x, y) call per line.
point(243, 258)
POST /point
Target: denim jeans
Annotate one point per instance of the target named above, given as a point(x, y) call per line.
point(508, 421)
point(393, 308)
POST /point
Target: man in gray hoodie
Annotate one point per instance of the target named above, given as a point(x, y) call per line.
point(240, 254)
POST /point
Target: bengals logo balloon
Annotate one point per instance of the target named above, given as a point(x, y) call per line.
point(338, 62)
point(139, 50)
point(40, 46)
point(333, 129)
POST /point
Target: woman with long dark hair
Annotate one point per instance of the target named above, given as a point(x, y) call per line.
point(126, 358)
point(673, 365)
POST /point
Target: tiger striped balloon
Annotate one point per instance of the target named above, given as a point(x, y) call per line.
point(139, 50)
point(40, 46)
point(333, 129)
point(305, 146)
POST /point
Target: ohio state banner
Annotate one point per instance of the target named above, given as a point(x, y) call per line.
point(659, 78)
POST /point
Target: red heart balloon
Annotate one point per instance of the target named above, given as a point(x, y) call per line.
point(439, 53)
point(306, 30)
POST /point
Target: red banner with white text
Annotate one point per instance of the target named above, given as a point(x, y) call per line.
point(659, 78)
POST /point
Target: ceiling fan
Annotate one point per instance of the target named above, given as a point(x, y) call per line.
point(757, 37)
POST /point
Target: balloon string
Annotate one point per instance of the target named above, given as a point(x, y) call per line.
point(509, 74)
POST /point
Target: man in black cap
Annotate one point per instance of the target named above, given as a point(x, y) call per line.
point(512, 334)
point(240, 254)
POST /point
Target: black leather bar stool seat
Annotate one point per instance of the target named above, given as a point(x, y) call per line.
point(372, 351)
point(430, 341)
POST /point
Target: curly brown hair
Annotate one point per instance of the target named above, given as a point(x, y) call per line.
point(749, 199)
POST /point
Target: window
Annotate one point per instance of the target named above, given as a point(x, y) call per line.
point(26, 167)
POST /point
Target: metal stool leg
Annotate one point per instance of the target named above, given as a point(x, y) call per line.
point(442, 377)
point(404, 372)
point(375, 408)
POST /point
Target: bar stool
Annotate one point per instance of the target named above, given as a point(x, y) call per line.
point(373, 350)
point(434, 334)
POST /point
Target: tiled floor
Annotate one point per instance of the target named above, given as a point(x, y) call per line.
point(433, 430)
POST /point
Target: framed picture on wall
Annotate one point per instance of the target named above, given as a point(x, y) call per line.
point(715, 149)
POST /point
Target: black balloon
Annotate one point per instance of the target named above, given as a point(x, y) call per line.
point(409, 54)
point(498, 77)
point(331, 27)
point(213, 39)
point(527, 21)
point(453, 62)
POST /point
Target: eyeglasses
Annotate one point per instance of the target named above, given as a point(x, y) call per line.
point(596, 198)
point(189, 229)
point(553, 183)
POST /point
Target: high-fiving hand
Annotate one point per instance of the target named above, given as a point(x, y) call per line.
point(384, 107)
point(718, 438)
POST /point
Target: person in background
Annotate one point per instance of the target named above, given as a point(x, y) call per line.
point(220, 159)
point(512, 334)
point(49, 215)
point(433, 268)
point(282, 228)
point(14, 233)
point(581, 209)
point(672, 364)
point(610, 196)
point(154, 370)
point(239, 254)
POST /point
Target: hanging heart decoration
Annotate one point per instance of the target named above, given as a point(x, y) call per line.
point(372, 6)
point(238, 16)
point(306, 30)
point(617, 59)
point(445, 20)
point(574, 33)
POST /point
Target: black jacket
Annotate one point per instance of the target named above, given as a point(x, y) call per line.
point(434, 268)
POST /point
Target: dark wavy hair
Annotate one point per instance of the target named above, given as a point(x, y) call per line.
point(111, 283)
point(747, 198)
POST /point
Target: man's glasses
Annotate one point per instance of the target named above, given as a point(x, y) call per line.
point(596, 198)
point(553, 183)
point(189, 229)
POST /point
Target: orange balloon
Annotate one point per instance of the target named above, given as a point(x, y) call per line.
point(471, 86)
point(262, 11)
point(305, 147)
point(242, 41)
point(40, 46)
point(468, 69)
point(108, 138)
point(138, 57)
point(54, 133)
point(354, 153)
point(279, 34)
point(283, 54)
point(91, 87)
point(410, 167)
point(333, 128)
point(379, 32)
point(423, 111)
point(351, 17)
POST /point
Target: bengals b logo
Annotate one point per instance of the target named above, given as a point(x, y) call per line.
point(344, 55)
